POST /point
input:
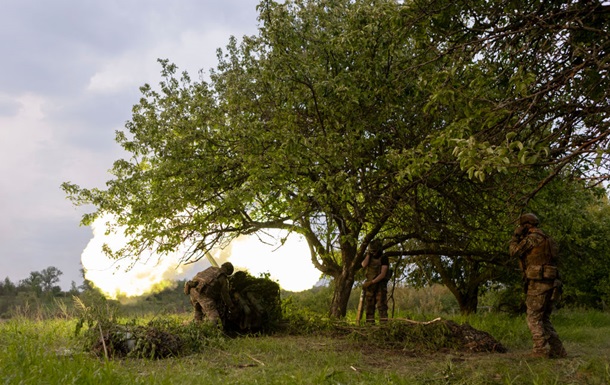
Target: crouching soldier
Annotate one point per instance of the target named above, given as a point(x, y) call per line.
point(208, 290)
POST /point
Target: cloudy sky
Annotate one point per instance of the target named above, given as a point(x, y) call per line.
point(69, 75)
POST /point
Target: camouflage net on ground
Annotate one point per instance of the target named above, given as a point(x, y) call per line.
point(258, 302)
point(259, 310)
point(433, 336)
point(163, 339)
point(160, 338)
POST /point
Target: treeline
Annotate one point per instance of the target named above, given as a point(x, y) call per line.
point(40, 284)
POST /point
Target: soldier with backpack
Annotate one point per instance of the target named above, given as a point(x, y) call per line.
point(209, 290)
point(537, 254)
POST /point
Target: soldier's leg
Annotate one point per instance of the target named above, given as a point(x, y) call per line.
point(557, 350)
point(196, 306)
point(382, 303)
point(535, 313)
point(208, 306)
point(369, 298)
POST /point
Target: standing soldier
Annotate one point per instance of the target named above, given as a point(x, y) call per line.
point(537, 254)
point(376, 284)
point(208, 290)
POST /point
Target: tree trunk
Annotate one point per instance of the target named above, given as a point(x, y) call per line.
point(469, 301)
point(343, 287)
point(466, 289)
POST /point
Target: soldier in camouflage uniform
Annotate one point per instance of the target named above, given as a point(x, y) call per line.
point(537, 254)
point(208, 290)
point(376, 284)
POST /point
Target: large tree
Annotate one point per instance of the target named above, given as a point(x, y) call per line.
point(302, 128)
point(342, 121)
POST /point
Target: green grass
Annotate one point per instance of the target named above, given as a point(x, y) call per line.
point(47, 352)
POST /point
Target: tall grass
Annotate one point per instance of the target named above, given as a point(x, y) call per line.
point(38, 345)
point(48, 352)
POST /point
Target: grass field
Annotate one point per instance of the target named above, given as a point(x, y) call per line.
point(48, 352)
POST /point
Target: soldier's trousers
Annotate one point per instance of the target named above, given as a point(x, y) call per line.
point(539, 308)
point(205, 307)
point(376, 296)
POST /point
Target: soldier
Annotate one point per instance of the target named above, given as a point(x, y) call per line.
point(208, 290)
point(537, 254)
point(376, 284)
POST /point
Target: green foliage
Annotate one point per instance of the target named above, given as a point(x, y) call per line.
point(427, 124)
point(316, 299)
point(262, 297)
point(303, 321)
point(579, 219)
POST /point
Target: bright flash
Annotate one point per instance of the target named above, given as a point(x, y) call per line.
point(288, 263)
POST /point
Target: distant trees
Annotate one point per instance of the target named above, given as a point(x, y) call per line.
point(7, 287)
point(42, 282)
point(39, 283)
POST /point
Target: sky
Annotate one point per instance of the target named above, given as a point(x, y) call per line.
point(69, 75)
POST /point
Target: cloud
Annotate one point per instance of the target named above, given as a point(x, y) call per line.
point(71, 73)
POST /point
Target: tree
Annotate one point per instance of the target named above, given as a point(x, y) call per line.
point(33, 283)
point(550, 60)
point(42, 281)
point(302, 130)
point(525, 89)
point(7, 287)
point(49, 277)
point(346, 121)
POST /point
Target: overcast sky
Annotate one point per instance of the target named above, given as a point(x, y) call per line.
point(69, 74)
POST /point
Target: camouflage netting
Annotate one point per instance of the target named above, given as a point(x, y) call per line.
point(437, 335)
point(259, 310)
point(258, 302)
point(150, 341)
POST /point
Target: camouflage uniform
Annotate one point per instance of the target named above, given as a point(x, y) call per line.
point(207, 290)
point(376, 294)
point(538, 261)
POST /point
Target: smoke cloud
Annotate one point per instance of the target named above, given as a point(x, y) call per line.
point(288, 263)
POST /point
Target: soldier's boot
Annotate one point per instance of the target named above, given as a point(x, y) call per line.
point(539, 350)
point(557, 350)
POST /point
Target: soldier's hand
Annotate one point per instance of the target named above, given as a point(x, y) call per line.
point(520, 231)
point(367, 284)
point(187, 287)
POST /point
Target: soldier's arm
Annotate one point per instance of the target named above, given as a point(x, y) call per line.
point(382, 273)
point(367, 258)
point(513, 248)
point(532, 240)
point(519, 248)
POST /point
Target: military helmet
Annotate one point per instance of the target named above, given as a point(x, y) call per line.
point(529, 218)
point(227, 267)
point(376, 245)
